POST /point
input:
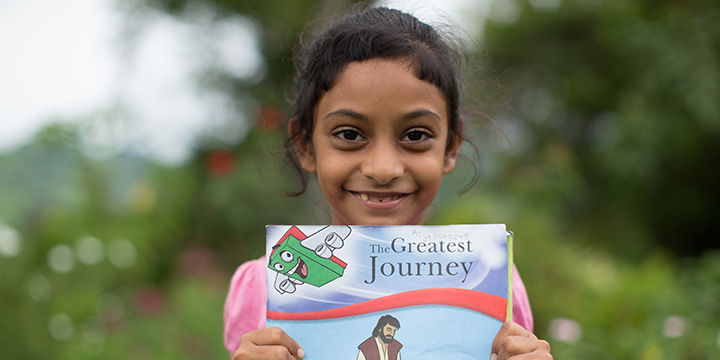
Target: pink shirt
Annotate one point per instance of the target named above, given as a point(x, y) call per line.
point(246, 302)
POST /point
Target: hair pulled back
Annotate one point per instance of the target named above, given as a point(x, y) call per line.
point(374, 33)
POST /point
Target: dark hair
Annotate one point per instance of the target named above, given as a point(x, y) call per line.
point(375, 33)
point(385, 320)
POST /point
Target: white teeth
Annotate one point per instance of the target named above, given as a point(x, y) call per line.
point(364, 197)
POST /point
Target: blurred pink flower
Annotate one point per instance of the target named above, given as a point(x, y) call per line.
point(198, 260)
point(150, 301)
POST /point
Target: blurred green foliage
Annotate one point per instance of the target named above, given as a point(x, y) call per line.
point(608, 182)
point(621, 101)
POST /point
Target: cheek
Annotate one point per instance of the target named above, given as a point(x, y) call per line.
point(329, 171)
point(331, 176)
point(333, 165)
point(431, 169)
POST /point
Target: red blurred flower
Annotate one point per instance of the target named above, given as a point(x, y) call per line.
point(269, 118)
point(220, 163)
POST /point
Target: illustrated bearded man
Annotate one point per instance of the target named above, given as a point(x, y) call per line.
point(382, 344)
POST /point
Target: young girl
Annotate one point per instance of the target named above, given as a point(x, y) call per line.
point(377, 119)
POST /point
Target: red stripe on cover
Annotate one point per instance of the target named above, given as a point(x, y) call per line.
point(338, 261)
point(488, 304)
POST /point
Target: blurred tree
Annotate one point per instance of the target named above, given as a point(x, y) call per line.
point(620, 106)
point(280, 23)
point(239, 185)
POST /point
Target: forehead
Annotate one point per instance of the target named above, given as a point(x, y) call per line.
point(384, 87)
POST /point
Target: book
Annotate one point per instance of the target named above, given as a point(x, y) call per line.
point(424, 292)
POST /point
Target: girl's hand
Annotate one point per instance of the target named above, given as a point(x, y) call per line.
point(514, 342)
point(268, 343)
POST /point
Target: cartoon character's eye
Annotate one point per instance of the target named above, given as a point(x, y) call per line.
point(279, 267)
point(286, 256)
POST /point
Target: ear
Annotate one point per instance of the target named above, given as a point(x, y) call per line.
point(451, 153)
point(302, 146)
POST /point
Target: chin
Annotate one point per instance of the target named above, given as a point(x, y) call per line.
point(360, 216)
point(388, 221)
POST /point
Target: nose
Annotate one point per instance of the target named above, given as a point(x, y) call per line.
point(382, 163)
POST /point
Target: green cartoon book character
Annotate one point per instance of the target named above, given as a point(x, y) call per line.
point(299, 259)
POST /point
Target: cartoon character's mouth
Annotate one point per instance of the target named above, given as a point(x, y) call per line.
point(300, 268)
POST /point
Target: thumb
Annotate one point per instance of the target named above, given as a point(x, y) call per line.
point(505, 330)
point(299, 352)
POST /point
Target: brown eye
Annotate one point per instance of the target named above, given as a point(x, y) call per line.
point(349, 135)
point(416, 135)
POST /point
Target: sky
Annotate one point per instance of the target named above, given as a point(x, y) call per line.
point(56, 61)
point(66, 61)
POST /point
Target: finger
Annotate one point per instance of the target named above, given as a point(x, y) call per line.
point(520, 347)
point(273, 337)
point(533, 356)
point(498, 338)
point(515, 345)
point(276, 336)
point(276, 352)
point(509, 328)
point(265, 352)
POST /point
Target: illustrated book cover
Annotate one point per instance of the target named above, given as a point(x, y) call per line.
point(408, 292)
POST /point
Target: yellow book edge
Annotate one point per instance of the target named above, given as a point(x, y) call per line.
point(510, 262)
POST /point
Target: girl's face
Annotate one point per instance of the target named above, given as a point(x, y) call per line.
point(379, 144)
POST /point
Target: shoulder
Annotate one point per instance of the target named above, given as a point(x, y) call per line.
point(245, 302)
point(368, 342)
point(522, 313)
point(247, 282)
point(249, 273)
point(396, 345)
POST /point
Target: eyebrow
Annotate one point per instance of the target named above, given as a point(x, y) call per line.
point(347, 112)
point(420, 113)
point(409, 116)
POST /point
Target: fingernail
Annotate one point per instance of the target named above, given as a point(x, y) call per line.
point(493, 356)
point(301, 353)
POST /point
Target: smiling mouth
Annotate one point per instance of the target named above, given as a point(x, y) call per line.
point(300, 268)
point(378, 198)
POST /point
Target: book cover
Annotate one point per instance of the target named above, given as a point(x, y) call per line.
point(413, 292)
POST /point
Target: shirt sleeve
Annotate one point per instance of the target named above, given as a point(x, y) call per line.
point(246, 302)
point(522, 313)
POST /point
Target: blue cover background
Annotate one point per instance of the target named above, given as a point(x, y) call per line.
point(423, 332)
